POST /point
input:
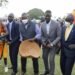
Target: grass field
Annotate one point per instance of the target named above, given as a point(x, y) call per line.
point(30, 67)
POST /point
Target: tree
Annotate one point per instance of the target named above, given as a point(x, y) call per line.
point(3, 2)
point(35, 13)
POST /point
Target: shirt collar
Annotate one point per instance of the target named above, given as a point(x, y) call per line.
point(10, 22)
point(49, 23)
point(70, 25)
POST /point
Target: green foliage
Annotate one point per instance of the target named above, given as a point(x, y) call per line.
point(35, 13)
point(3, 2)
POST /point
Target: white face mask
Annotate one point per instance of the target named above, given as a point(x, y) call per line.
point(25, 21)
point(67, 23)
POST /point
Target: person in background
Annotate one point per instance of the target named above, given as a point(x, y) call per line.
point(39, 24)
point(42, 19)
point(62, 24)
point(3, 45)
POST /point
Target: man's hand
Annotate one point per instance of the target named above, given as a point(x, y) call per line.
point(8, 43)
point(44, 44)
point(31, 40)
point(72, 46)
point(49, 45)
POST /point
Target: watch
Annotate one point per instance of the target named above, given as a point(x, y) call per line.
point(51, 44)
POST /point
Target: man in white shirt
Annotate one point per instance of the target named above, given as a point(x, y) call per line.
point(50, 33)
point(13, 39)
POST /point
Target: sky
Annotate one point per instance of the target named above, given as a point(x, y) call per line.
point(59, 8)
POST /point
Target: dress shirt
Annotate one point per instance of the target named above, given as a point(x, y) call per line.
point(67, 32)
point(48, 27)
point(38, 32)
point(10, 27)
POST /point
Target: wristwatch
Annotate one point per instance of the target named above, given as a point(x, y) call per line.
point(51, 44)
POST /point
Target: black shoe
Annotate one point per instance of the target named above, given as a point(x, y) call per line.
point(22, 73)
point(45, 73)
point(13, 73)
point(36, 74)
point(10, 67)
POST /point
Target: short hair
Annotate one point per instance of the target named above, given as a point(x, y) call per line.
point(69, 18)
point(24, 15)
point(48, 12)
point(11, 15)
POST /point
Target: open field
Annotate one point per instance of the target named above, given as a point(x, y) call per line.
point(30, 67)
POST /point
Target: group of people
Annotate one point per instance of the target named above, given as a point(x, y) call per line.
point(49, 34)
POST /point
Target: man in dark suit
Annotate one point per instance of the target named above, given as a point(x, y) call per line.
point(50, 34)
point(68, 46)
point(13, 38)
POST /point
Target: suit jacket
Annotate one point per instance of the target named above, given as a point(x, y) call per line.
point(70, 41)
point(29, 32)
point(15, 35)
point(54, 32)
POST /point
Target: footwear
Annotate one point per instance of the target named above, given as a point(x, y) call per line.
point(6, 69)
point(13, 73)
point(10, 67)
point(22, 73)
point(45, 73)
point(36, 74)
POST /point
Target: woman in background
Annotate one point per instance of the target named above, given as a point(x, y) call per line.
point(3, 45)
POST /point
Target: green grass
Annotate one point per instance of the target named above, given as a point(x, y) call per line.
point(30, 67)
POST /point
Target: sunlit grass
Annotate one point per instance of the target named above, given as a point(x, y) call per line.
point(30, 67)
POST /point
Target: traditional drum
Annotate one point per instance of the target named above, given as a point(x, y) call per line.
point(29, 49)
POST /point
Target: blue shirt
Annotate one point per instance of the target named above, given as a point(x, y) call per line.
point(37, 30)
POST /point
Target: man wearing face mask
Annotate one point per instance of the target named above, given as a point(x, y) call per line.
point(67, 58)
point(29, 31)
point(50, 34)
point(13, 41)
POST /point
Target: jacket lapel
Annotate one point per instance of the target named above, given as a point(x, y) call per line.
point(12, 26)
point(50, 27)
point(45, 28)
point(70, 34)
point(64, 29)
